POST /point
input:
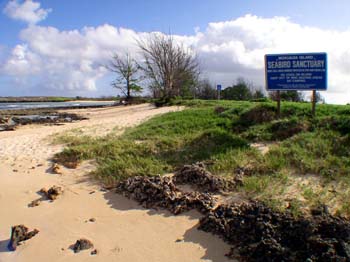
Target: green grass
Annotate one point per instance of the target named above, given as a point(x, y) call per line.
point(219, 133)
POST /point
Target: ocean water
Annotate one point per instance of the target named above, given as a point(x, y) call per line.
point(31, 105)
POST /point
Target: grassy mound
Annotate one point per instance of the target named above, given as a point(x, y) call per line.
point(219, 133)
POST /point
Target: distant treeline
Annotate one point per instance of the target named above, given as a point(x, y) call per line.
point(25, 99)
point(244, 90)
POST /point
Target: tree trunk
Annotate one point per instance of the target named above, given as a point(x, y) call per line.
point(128, 96)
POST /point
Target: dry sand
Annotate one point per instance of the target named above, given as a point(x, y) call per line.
point(123, 231)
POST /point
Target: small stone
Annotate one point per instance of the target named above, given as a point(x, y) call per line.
point(35, 203)
point(82, 244)
point(15, 170)
point(94, 252)
point(179, 240)
point(56, 169)
point(71, 165)
point(92, 219)
point(43, 191)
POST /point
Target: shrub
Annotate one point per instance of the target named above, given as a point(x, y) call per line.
point(282, 129)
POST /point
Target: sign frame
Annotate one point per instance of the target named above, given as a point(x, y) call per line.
point(286, 71)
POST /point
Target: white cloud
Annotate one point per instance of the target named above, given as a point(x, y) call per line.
point(22, 62)
point(67, 60)
point(72, 60)
point(27, 11)
point(238, 47)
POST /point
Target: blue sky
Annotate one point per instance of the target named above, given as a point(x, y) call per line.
point(179, 17)
point(202, 24)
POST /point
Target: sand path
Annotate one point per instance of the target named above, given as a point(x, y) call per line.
point(123, 231)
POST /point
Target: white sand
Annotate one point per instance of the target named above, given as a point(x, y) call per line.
point(123, 230)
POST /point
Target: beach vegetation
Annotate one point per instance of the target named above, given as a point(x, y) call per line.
point(304, 161)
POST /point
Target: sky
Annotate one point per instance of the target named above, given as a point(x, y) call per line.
point(59, 47)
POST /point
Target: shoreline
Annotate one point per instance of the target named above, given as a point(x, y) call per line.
point(63, 107)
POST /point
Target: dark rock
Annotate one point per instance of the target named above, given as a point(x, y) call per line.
point(8, 127)
point(52, 193)
point(94, 252)
point(238, 179)
point(198, 176)
point(34, 203)
point(26, 118)
point(56, 169)
point(71, 164)
point(4, 119)
point(161, 192)
point(256, 232)
point(82, 244)
point(320, 211)
point(20, 233)
point(244, 171)
point(261, 234)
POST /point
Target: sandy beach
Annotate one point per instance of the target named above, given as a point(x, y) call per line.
point(122, 230)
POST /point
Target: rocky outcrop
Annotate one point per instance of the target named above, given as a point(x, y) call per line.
point(197, 175)
point(161, 192)
point(260, 234)
point(10, 123)
point(256, 232)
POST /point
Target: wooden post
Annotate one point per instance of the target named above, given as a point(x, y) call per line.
point(278, 103)
point(313, 103)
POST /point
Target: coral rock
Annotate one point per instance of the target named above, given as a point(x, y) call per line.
point(20, 233)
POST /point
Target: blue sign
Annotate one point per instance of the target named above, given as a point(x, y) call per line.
point(218, 87)
point(296, 71)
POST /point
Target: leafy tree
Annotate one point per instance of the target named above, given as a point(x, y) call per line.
point(290, 95)
point(172, 69)
point(127, 79)
point(319, 98)
point(258, 94)
point(239, 91)
point(205, 90)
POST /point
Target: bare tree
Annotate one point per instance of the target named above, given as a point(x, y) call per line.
point(172, 69)
point(127, 79)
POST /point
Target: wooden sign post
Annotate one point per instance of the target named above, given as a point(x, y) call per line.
point(314, 102)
